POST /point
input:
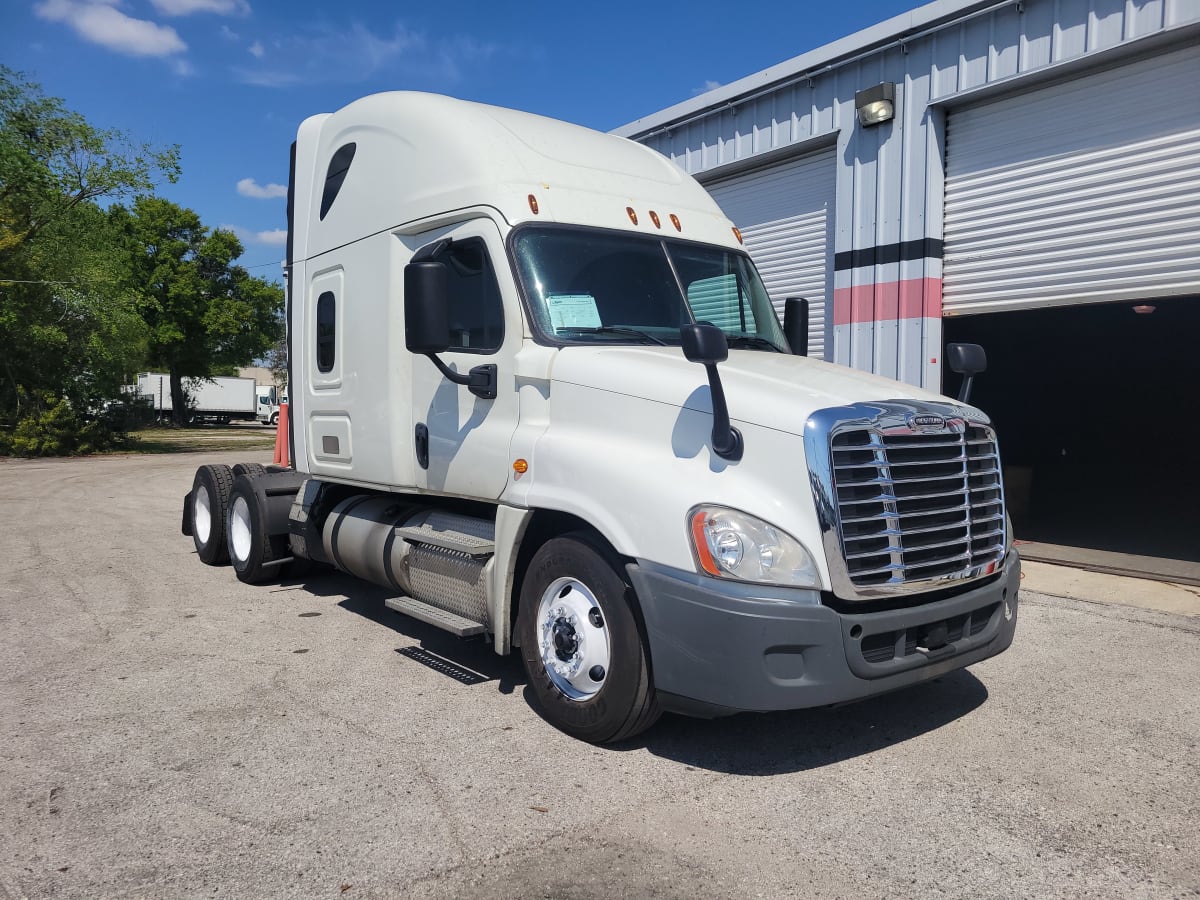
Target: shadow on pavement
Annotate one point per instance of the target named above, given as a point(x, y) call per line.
point(745, 744)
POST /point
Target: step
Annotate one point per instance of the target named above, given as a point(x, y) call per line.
point(431, 615)
point(456, 541)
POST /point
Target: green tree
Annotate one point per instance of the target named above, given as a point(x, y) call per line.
point(202, 310)
point(70, 324)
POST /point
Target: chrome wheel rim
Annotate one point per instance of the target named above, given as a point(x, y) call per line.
point(201, 514)
point(239, 529)
point(573, 639)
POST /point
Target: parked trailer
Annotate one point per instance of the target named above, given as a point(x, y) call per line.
point(540, 393)
point(221, 399)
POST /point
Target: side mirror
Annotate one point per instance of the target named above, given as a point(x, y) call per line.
point(707, 345)
point(968, 360)
point(795, 324)
point(426, 326)
point(704, 344)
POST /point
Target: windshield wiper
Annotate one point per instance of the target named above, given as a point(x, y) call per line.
point(748, 340)
point(612, 329)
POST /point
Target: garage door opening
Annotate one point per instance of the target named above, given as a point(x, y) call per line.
point(1098, 415)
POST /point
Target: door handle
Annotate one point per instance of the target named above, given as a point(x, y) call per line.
point(421, 439)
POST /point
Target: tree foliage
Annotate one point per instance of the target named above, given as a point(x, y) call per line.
point(92, 291)
point(203, 312)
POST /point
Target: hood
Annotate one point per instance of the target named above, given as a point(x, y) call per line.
point(772, 390)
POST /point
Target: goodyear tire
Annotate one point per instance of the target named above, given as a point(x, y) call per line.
point(581, 643)
point(209, 503)
point(250, 547)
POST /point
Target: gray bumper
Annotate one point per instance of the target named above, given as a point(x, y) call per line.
point(721, 647)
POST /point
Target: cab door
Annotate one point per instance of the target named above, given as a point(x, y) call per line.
point(466, 438)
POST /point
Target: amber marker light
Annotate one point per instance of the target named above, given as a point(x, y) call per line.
point(655, 219)
point(675, 222)
point(700, 542)
point(533, 206)
point(632, 214)
point(737, 233)
point(520, 466)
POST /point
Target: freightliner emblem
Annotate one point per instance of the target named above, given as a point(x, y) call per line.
point(926, 422)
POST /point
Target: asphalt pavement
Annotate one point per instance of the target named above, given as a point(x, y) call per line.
point(166, 731)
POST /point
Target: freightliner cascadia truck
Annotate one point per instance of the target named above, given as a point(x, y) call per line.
point(539, 392)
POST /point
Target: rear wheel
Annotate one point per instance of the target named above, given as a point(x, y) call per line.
point(581, 644)
point(210, 501)
point(250, 546)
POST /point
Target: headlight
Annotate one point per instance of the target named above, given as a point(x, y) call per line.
point(732, 544)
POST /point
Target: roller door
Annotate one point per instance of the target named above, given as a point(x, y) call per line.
point(1082, 192)
point(785, 213)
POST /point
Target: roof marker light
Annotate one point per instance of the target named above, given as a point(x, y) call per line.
point(737, 233)
point(675, 222)
point(632, 214)
point(533, 204)
point(654, 218)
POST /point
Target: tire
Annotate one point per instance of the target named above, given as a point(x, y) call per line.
point(251, 469)
point(274, 420)
point(250, 547)
point(577, 621)
point(210, 503)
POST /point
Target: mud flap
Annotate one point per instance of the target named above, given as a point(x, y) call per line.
point(186, 526)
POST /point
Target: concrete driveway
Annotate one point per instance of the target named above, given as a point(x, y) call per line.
point(166, 731)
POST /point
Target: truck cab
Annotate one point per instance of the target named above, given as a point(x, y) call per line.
point(539, 390)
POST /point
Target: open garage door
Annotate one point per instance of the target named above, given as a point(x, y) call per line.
point(1082, 192)
point(785, 214)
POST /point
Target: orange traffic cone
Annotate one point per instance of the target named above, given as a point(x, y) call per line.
point(281, 437)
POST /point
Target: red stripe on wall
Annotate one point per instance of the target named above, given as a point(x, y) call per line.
point(888, 301)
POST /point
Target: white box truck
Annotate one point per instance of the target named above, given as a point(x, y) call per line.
point(540, 393)
point(219, 399)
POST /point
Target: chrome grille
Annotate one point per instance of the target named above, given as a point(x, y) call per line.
point(908, 493)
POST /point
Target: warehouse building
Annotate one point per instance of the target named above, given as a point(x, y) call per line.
point(1022, 175)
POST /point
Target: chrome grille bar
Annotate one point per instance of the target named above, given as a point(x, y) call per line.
point(903, 505)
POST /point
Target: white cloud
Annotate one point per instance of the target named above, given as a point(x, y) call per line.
point(187, 7)
point(229, 34)
point(356, 54)
point(257, 50)
point(248, 187)
point(274, 238)
point(709, 85)
point(103, 24)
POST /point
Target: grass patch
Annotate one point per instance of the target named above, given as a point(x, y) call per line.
point(192, 440)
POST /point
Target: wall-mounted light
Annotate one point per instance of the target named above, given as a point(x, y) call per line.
point(876, 105)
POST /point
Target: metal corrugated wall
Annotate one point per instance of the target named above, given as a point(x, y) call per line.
point(1083, 192)
point(785, 213)
point(889, 181)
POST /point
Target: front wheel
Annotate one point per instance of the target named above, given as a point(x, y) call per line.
point(583, 650)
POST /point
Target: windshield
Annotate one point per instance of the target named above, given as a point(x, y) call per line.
point(588, 286)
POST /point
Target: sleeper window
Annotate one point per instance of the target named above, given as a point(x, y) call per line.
point(326, 331)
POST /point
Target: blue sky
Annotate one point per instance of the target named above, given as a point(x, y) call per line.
point(229, 80)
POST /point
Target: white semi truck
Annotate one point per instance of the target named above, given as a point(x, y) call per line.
point(539, 392)
point(220, 399)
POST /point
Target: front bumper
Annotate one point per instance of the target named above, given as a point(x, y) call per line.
point(720, 647)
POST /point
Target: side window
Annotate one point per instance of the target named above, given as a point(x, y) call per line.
point(339, 166)
point(326, 331)
point(476, 312)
